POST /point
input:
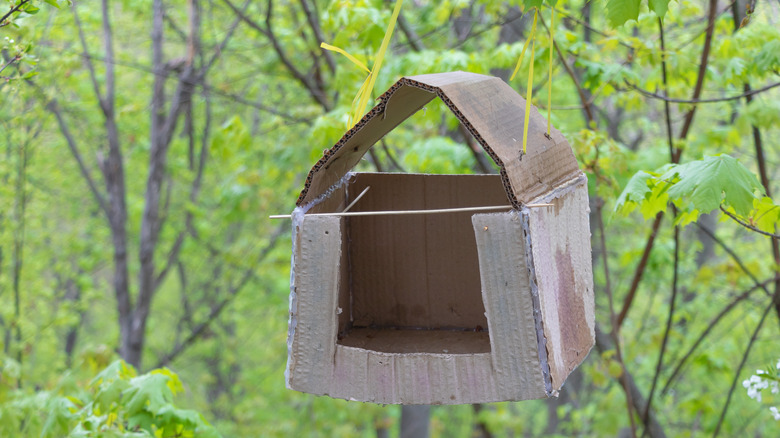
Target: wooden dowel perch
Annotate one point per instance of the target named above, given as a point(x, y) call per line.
point(403, 212)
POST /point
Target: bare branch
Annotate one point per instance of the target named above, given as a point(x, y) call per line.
point(411, 36)
point(217, 308)
point(221, 46)
point(583, 98)
point(314, 91)
point(390, 156)
point(705, 55)
point(670, 316)
point(640, 269)
point(87, 60)
point(614, 327)
point(652, 425)
point(733, 255)
point(697, 101)
point(315, 27)
point(54, 107)
point(741, 297)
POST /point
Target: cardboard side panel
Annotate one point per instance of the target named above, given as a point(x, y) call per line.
point(560, 239)
point(376, 377)
point(506, 292)
point(316, 281)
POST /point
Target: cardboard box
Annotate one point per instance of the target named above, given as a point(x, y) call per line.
point(447, 308)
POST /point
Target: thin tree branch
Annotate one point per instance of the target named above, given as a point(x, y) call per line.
point(676, 266)
point(705, 54)
point(739, 369)
point(733, 255)
point(748, 93)
point(11, 12)
point(583, 98)
point(476, 150)
point(652, 425)
point(317, 30)
point(747, 225)
point(741, 297)
point(670, 316)
point(217, 309)
point(390, 156)
point(614, 327)
point(221, 46)
point(411, 36)
point(760, 158)
point(173, 255)
point(11, 61)
point(677, 155)
point(640, 269)
point(315, 93)
point(54, 107)
point(87, 60)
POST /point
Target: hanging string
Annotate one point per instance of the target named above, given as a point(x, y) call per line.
point(529, 88)
point(549, 75)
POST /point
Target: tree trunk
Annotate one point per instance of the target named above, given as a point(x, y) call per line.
point(415, 421)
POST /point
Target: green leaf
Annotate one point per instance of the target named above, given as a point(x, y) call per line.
point(766, 214)
point(149, 393)
point(708, 182)
point(59, 417)
point(528, 4)
point(636, 191)
point(620, 11)
point(659, 7)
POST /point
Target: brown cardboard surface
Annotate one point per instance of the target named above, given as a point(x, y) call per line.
point(414, 378)
point(417, 271)
point(506, 292)
point(560, 239)
point(418, 341)
point(314, 337)
point(447, 308)
point(489, 108)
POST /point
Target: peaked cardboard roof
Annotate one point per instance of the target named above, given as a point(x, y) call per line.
point(489, 109)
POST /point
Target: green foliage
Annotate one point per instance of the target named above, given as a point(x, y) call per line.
point(115, 403)
point(620, 11)
point(438, 155)
point(697, 187)
point(263, 129)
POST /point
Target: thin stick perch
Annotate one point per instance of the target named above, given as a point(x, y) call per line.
point(404, 212)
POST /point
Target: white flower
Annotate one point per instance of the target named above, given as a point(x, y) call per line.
point(775, 413)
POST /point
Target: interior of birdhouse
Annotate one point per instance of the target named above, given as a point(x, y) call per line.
point(410, 283)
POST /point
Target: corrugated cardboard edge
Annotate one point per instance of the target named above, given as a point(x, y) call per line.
point(565, 308)
point(489, 109)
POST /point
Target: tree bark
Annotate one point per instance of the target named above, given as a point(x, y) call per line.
point(415, 421)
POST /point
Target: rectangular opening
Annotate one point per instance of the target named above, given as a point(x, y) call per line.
point(411, 283)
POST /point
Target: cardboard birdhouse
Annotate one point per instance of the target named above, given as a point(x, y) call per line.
point(421, 295)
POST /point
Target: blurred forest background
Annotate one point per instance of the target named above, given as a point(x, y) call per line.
point(144, 143)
